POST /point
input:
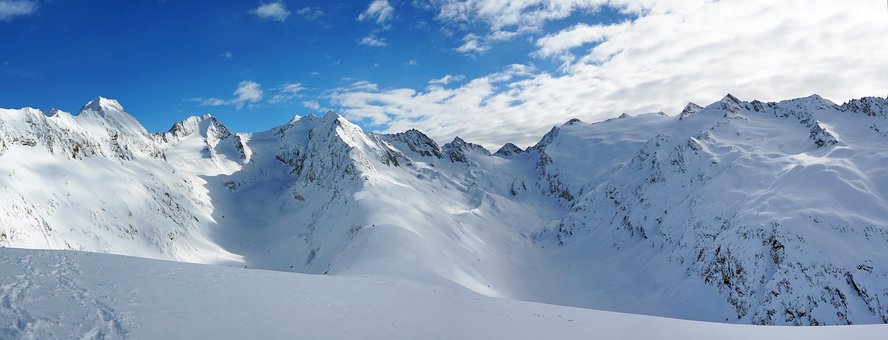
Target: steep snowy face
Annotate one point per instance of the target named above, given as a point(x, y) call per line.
point(780, 206)
point(96, 181)
point(220, 151)
point(125, 135)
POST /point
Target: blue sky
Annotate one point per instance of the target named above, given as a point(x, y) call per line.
point(156, 56)
point(490, 71)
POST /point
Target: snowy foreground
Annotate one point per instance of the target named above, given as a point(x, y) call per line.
point(78, 295)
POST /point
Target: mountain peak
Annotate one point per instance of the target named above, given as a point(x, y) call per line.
point(417, 142)
point(689, 110)
point(457, 149)
point(330, 114)
point(206, 125)
point(730, 98)
point(102, 105)
point(509, 149)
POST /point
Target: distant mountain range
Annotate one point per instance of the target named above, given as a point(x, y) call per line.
point(747, 212)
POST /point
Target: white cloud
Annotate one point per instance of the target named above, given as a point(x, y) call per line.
point(412, 62)
point(581, 34)
point(247, 92)
point(672, 53)
point(373, 41)
point(447, 79)
point(378, 10)
point(286, 92)
point(210, 101)
point(310, 13)
point(473, 44)
point(506, 19)
point(272, 11)
point(504, 14)
point(10, 9)
point(227, 55)
point(311, 104)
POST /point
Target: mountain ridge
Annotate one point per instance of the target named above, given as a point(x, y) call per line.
point(712, 207)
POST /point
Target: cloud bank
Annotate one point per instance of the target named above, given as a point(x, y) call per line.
point(669, 53)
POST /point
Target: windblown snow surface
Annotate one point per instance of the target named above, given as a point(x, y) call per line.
point(79, 295)
point(738, 212)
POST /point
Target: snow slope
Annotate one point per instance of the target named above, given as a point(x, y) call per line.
point(77, 295)
point(748, 212)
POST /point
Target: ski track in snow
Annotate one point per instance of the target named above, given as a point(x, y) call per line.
point(61, 279)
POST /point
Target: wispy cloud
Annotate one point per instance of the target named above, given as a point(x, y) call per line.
point(286, 92)
point(311, 104)
point(379, 11)
point(507, 19)
point(275, 11)
point(559, 44)
point(473, 44)
point(247, 92)
point(11, 9)
point(310, 13)
point(447, 80)
point(373, 41)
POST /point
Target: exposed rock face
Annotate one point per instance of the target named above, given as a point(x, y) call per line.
point(459, 150)
point(415, 141)
point(509, 149)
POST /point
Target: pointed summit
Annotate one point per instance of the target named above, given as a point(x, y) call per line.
point(689, 110)
point(108, 113)
point(729, 98)
point(509, 149)
point(102, 105)
point(330, 115)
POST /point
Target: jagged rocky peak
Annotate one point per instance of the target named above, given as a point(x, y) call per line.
point(624, 115)
point(416, 141)
point(729, 103)
point(206, 125)
point(689, 110)
point(730, 98)
point(458, 149)
point(509, 149)
point(870, 106)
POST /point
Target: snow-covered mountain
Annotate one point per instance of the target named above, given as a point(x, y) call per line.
point(749, 212)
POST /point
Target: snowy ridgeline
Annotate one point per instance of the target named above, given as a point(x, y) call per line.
point(742, 212)
point(77, 295)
